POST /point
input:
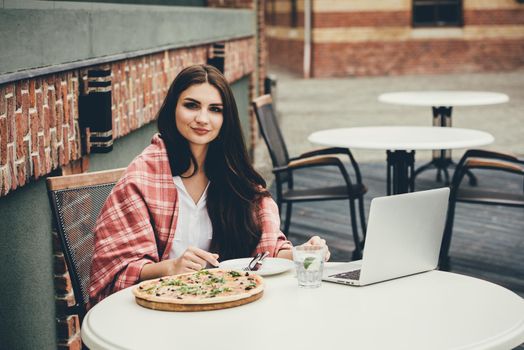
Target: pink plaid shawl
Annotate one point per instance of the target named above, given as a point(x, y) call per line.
point(137, 223)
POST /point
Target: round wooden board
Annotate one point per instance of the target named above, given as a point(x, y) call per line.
point(196, 307)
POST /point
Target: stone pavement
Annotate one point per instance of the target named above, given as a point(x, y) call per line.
point(305, 106)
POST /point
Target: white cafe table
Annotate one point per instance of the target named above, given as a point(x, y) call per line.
point(400, 143)
point(442, 103)
point(433, 310)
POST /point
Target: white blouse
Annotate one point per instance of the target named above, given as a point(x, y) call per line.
point(193, 227)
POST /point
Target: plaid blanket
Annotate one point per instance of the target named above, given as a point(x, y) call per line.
point(137, 223)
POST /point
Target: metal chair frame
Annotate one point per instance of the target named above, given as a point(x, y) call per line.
point(283, 167)
point(486, 160)
point(57, 188)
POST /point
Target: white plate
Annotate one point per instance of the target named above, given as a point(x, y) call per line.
point(270, 266)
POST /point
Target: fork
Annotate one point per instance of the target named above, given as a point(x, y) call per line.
point(252, 263)
point(256, 262)
point(258, 265)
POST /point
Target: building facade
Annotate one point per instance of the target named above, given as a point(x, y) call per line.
point(337, 38)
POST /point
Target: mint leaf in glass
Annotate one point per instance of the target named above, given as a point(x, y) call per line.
point(308, 261)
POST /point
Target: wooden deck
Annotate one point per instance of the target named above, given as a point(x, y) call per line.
point(488, 241)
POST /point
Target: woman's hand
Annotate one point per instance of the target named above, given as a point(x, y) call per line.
point(316, 240)
point(193, 259)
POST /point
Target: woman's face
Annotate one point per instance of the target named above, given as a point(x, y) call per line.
point(198, 114)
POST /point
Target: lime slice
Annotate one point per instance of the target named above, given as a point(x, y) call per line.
point(308, 261)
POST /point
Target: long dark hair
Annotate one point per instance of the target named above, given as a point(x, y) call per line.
point(235, 187)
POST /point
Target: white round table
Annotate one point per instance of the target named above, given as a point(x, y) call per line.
point(401, 143)
point(443, 98)
point(433, 310)
point(442, 103)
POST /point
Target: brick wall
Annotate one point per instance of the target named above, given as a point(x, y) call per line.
point(287, 54)
point(431, 57)
point(39, 118)
point(140, 84)
point(362, 38)
point(38, 128)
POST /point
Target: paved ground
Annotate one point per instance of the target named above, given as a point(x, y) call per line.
point(305, 106)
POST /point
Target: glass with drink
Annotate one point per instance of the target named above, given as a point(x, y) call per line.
point(309, 263)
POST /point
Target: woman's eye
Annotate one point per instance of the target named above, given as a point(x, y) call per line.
point(216, 109)
point(191, 105)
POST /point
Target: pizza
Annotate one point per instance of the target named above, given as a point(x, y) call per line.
point(203, 287)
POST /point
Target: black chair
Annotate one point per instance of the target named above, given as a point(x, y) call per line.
point(283, 167)
point(76, 201)
point(488, 161)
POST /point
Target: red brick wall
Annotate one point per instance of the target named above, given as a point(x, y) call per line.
point(416, 57)
point(38, 127)
point(287, 54)
point(361, 18)
point(240, 59)
point(140, 85)
point(479, 17)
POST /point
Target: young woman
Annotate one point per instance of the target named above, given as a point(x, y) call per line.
point(189, 199)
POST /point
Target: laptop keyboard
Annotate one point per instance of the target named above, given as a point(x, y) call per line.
point(351, 275)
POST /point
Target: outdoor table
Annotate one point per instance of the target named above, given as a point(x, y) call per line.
point(400, 143)
point(442, 103)
point(432, 310)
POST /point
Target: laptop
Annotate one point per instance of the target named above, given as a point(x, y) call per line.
point(403, 238)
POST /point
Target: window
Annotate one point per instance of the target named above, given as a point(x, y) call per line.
point(272, 12)
point(294, 17)
point(436, 13)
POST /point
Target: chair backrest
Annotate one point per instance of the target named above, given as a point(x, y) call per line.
point(489, 161)
point(76, 201)
point(270, 130)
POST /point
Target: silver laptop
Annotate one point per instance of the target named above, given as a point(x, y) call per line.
point(403, 238)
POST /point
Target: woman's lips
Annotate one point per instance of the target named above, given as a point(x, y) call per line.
point(200, 131)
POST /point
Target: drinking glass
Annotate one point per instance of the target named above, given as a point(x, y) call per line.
point(309, 263)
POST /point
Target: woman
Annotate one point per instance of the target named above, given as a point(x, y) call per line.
point(190, 198)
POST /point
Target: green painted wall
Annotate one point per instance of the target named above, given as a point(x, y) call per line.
point(27, 310)
point(150, 2)
point(71, 32)
point(26, 295)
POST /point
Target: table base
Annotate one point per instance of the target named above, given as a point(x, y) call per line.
point(442, 158)
point(400, 173)
point(442, 165)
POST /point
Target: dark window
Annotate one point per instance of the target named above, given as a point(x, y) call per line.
point(435, 13)
point(272, 12)
point(294, 17)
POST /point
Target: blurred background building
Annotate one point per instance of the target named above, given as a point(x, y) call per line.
point(339, 38)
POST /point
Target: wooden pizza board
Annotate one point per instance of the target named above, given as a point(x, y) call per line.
point(197, 307)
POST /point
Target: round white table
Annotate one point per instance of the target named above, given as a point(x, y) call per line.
point(442, 103)
point(401, 143)
point(433, 310)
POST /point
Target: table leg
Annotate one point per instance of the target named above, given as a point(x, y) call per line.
point(442, 158)
point(400, 171)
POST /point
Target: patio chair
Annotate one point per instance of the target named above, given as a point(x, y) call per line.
point(76, 201)
point(284, 166)
point(488, 161)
